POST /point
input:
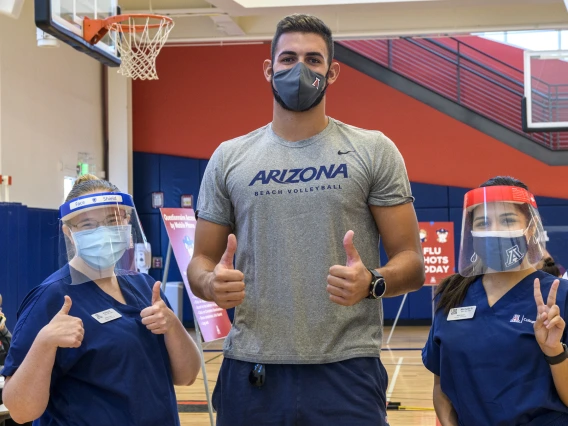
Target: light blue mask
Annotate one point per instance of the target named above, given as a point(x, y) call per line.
point(101, 248)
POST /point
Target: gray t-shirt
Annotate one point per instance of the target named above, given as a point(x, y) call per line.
point(290, 205)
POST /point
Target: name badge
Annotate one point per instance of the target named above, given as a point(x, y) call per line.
point(466, 312)
point(106, 316)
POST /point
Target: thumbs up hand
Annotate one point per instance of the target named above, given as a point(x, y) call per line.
point(64, 331)
point(348, 285)
point(157, 318)
point(227, 287)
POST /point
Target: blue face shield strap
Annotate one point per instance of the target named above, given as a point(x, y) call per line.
point(90, 201)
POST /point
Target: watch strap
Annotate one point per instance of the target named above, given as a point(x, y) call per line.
point(553, 360)
point(375, 278)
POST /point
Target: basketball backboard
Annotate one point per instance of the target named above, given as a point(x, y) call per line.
point(545, 104)
point(63, 19)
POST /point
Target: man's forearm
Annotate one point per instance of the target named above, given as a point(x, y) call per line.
point(403, 273)
point(199, 273)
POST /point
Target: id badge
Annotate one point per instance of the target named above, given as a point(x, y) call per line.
point(462, 313)
point(106, 316)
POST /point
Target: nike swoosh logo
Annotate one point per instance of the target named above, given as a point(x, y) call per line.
point(341, 153)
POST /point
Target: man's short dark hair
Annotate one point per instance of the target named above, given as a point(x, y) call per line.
point(299, 23)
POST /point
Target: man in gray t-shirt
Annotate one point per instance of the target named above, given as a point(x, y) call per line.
point(306, 197)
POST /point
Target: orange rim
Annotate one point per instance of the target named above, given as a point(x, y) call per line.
point(95, 29)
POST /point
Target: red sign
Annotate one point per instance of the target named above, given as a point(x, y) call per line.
point(180, 225)
point(437, 240)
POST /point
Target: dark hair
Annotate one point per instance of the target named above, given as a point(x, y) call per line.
point(453, 289)
point(550, 267)
point(299, 23)
point(88, 184)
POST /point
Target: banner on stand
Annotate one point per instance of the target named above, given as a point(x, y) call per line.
point(437, 240)
point(180, 226)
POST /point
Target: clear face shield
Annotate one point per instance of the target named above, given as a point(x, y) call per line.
point(99, 232)
point(501, 231)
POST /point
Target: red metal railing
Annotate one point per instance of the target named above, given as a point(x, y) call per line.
point(473, 79)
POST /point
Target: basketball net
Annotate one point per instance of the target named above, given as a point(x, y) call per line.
point(138, 45)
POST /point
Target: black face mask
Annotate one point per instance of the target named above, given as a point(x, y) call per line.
point(298, 88)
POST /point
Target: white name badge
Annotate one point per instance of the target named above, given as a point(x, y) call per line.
point(466, 312)
point(106, 316)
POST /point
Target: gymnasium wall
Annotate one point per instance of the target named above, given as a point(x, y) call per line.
point(50, 109)
point(217, 93)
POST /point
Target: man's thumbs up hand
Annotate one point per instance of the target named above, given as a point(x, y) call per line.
point(348, 285)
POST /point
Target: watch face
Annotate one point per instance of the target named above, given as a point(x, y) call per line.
point(379, 288)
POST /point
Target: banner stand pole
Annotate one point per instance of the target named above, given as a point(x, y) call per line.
point(166, 267)
point(197, 337)
point(396, 319)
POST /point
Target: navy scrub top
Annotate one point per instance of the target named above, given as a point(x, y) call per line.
point(120, 375)
point(491, 367)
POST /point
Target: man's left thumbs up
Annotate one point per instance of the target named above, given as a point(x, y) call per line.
point(348, 285)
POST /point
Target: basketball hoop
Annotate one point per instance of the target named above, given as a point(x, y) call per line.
point(138, 39)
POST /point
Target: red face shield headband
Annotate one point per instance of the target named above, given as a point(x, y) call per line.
point(490, 194)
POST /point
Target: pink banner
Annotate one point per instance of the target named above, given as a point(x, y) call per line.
point(180, 226)
point(438, 248)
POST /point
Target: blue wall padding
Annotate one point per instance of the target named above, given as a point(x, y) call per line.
point(429, 195)
point(146, 179)
point(455, 196)
point(28, 252)
point(174, 176)
point(202, 167)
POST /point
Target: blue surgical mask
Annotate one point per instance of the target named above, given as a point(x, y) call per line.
point(500, 250)
point(101, 248)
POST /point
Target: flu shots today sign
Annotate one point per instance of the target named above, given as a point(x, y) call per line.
point(437, 240)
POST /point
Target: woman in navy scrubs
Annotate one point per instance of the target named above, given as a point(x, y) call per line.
point(97, 343)
point(497, 346)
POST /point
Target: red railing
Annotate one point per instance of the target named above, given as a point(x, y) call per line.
point(473, 79)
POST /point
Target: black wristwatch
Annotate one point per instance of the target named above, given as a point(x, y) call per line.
point(378, 286)
point(553, 360)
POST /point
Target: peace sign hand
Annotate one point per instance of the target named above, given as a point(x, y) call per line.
point(549, 325)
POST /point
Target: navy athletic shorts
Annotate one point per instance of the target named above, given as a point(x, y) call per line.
point(345, 393)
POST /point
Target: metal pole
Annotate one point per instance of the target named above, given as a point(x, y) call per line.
point(167, 267)
point(459, 74)
point(198, 338)
point(396, 319)
point(433, 303)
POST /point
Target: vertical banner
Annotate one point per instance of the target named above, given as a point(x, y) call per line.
point(437, 240)
point(180, 226)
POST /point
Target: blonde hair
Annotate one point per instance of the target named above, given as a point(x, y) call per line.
point(88, 183)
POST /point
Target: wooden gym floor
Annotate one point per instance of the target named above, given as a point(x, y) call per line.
point(410, 383)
